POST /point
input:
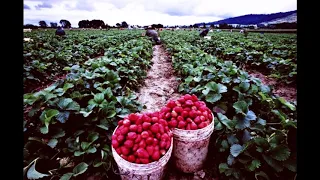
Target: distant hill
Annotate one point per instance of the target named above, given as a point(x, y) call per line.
point(257, 18)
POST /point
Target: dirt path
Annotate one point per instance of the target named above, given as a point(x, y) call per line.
point(160, 83)
point(280, 89)
point(159, 87)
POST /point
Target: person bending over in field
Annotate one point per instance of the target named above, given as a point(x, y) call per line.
point(204, 32)
point(153, 34)
point(60, 31)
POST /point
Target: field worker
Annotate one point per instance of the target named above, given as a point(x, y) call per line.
point(204, 32)
point(153, 34)
point(60, 31)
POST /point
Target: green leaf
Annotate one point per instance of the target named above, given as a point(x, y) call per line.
point(235, 150)
point(223, 167)
point(217, 88)
point(34, 174)
point(241, 122)
point(241, 107)
point(93, 136)
point(212, 98)
point(98, 164)
point(218, 126)
point(67, 86)
point(78, 153)
point(224, 120)
point(261, 142)
point(80, 168)
point(46, 117)
point(286, 103)
point(280, 153)
point(91, 150)
point(85, 145)
point(250, 116)
point(60, 133)
point(29, 98)
point(261, 174)
point(290, 164)
point(66, 176)
point(273, 163)
point(232, 139)
point(230, 160)
point(52, 143)
point(246, 136)
point(44, 130)
point(63, 116)
point(255, 164)
point(98, 97)
point(66, 68)
point(85, 113)
point(262, 121)
point(244, 86)
point(111, 113)
point(64, 102)
point(103, 127)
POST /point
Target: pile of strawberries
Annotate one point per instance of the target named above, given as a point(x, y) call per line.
point(145, 138)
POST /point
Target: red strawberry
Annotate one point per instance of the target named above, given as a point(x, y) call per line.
point(197, 120)
point(149, 140)
point(155, 128)
point(163, 144)
point(189, 103)
point(168, 115)
point(188, 127)
point(173, 123)
point(142, 144)
point(180, 118)
point(132, 135)
point(144, 160)
point(120, 122)
point(171, 104)
point(128, 143)
point(145, 134)
point(124, 150)
point(115, 144)
point(187, 97)
point(140, 129)
point(120, 138)
point(131, 158)
point(155, 156)
point(142, 153)
point(146, 125)
point(181, 124)
point(185, 114)
point(138, 139)
point(163, 122)
point(126, 122)
point(150, 150)
point(135, 147)
point(133, 128)
point(124, 130)
point(174, 114)
point(178, 109)
point(193, 126)
point(162, 152)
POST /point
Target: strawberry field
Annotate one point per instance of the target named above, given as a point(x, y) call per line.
point(78, 87)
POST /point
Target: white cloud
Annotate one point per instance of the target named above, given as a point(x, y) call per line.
point(145, 12)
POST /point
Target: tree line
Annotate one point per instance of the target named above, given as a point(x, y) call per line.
point(95, 23)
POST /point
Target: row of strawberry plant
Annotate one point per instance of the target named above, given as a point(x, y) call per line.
point(70, 123)
point(46, 55)
point(270, 54)
point(254, 130)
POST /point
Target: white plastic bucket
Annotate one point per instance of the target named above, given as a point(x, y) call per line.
point(152, 171)
point(190, 148)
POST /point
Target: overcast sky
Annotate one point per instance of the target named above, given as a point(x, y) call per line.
point(146, 12)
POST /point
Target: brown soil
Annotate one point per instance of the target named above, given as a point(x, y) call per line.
point(160, 84)
point(280, 89)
